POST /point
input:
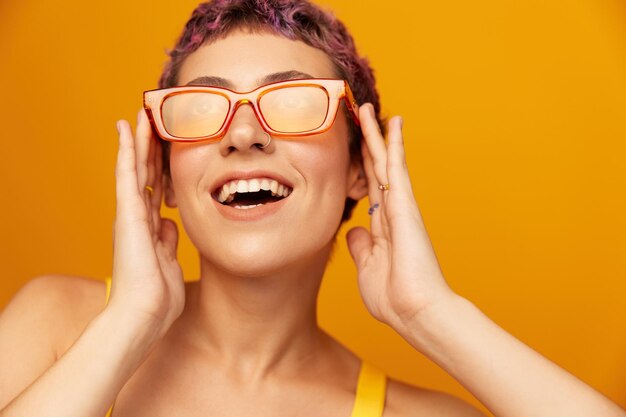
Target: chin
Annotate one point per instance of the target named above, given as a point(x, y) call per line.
point(253, 256)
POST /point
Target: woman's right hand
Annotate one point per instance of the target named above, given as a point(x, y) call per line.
point(147, 280)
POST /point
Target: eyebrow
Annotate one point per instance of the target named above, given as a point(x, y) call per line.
point(270, 78)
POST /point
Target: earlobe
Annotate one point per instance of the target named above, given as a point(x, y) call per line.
point(168, 192)
point(358, 187)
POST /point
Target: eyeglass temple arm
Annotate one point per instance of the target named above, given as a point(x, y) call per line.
point(352, 105)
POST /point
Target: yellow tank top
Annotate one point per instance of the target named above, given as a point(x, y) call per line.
point(370, 390)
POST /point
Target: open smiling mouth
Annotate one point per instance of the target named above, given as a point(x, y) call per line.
point(247, 194)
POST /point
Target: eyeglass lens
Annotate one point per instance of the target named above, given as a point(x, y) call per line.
point(289, 109)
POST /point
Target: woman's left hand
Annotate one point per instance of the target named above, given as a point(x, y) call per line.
point(403, 286)
point(398, 272)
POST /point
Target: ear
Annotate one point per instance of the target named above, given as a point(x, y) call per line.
point(358, 181)
point(168, 192)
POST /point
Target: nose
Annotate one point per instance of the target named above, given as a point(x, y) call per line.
point(245, 133)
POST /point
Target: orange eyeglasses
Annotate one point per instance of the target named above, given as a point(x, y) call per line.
point(291, 108)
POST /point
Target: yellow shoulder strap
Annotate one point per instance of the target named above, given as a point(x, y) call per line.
point(370, 392)
point(108, 282)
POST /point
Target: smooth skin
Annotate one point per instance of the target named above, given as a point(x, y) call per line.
point(243, 340)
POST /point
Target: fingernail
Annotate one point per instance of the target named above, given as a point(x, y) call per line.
point(117, 126)
point(401, 122)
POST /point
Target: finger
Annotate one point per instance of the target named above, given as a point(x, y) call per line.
point(145, 167)
point(360, 245)
point(147, 130)
point(375, 141)
point(129, 202)
point(374, 193)
point(142, 141)
point(397, 170)
point(157, 183)
point(158, 186)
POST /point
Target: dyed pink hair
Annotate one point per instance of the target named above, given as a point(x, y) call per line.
point(293, 19)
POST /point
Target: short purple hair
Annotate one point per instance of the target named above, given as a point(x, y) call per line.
point(293, 19)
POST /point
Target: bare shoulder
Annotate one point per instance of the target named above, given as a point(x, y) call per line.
point(60, 305)
point(404, 400)
point(41, 321)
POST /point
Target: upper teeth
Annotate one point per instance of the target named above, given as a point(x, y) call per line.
point(228, 190)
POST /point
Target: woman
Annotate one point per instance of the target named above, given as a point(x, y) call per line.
point(243, 340)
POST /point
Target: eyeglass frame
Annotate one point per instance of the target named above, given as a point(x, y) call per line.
point(153, 102)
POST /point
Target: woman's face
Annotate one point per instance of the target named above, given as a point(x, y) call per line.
point(316, 169)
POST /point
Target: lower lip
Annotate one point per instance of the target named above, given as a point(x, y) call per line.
point(252, 214)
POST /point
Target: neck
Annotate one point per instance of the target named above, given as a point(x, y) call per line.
point(254, 326)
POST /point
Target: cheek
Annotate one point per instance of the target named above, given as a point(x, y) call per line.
point(329, 159)
point(325, 167)
point(187, 164)
point(325, 162)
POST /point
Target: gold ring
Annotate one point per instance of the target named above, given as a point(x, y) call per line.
point(383, 187)
point(149, 189)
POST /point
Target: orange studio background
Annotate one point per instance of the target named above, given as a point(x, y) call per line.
point(515, 122)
